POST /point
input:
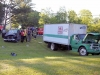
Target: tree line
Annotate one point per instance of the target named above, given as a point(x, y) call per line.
point(22, 13)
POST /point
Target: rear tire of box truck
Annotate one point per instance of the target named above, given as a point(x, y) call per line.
point(53, 47)
point(49, 45)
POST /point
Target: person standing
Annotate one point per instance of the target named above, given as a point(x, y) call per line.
point(35, 33)
point(22, 36)
point(25, 35)
point(29, 34)
point(32, 28)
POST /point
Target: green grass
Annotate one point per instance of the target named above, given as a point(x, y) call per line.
point(35, 58)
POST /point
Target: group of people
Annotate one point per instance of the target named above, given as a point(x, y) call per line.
point(26, 34)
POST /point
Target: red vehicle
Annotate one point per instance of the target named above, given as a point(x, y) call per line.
point(1, 27)
point(40, 31)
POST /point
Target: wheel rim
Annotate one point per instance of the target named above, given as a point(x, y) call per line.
point(52, 46)
point(83, 51)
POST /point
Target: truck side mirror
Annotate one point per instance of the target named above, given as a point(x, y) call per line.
point(76, 38)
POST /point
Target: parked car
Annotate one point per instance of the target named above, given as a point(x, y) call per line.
point(12, 35)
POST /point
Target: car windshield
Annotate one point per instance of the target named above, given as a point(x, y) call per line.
point(12, 31)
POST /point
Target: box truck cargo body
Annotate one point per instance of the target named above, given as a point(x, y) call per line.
point(67, 36)
point(60, 33)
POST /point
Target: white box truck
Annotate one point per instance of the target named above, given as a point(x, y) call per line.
point(72, 37)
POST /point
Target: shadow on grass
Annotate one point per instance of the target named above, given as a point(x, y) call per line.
point(36, 56)
point(48, 65)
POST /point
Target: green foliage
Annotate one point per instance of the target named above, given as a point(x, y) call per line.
point(61, 15)
point(21, 11)
point(72, 16)
point(53, 20)
point(22, 3)
point(44, 16)
point(14, 25)
point(86, 17)
point(33, 18)
point(95, 26)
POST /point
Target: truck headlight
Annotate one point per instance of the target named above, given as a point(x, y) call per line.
point(91, 46)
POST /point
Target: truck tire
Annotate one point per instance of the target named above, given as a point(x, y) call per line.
point(83, 51)
point(53, 47)
point(98, 54)
point(48, 45)
point(95, 53)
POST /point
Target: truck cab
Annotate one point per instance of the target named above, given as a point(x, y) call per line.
point(86, 43)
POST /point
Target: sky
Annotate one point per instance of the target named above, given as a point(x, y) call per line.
point(76, 5)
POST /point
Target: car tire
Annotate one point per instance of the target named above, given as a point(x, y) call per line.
point(5, 41)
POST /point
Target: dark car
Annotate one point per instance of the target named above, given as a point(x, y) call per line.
point(12, 35)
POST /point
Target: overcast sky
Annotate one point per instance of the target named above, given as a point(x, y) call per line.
point(76, 5)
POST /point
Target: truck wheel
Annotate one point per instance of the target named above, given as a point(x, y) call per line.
point(53, 47)
point(95, 53)
point(98, 54)
point(48, 45)
point(82, 51)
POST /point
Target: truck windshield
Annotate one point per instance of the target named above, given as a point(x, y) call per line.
point(92, 38)
point(81, 36)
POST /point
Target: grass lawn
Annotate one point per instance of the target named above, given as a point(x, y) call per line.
point(35, 58)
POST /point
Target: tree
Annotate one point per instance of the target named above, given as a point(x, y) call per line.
point(33, 18)
point(85, 17)
point(61, 15)
point(1, 12)
point(73, 17)
point(53, 18)
point(21, 10)
point(95, 26)
point(4, 12)
point(45, 16)
point(96, 20)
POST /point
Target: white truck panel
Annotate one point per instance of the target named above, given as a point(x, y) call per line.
point(77, 29)
point(53, 29)
point(57, 33)
point(60, 33)
point(57, 40)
